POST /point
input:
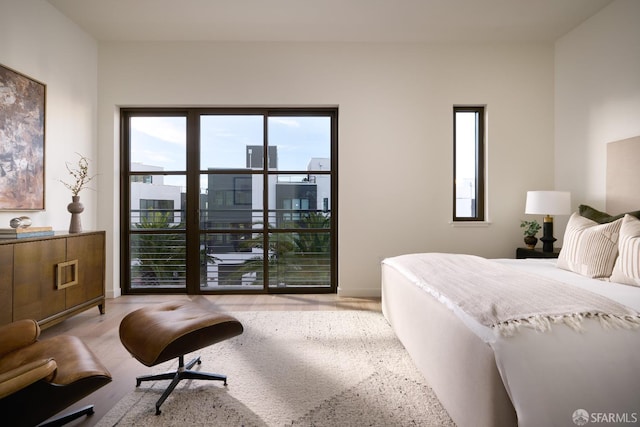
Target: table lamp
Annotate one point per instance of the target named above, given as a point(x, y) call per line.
point(548, 203)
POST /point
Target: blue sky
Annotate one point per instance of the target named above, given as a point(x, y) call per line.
point(161, 141)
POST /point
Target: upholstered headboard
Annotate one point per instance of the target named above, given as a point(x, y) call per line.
point(623, 175)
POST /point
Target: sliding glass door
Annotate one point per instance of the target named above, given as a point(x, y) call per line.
point(227, 200)
point(232, 201)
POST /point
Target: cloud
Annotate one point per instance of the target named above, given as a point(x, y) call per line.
point(152, 158)
point(285, 121)
point(170, 129)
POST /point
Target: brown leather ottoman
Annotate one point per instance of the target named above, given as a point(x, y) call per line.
point(162, 332)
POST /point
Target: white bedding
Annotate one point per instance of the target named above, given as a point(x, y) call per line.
point(624, 294)
point(551, 375)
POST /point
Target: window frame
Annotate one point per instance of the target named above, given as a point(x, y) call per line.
point(480, 165)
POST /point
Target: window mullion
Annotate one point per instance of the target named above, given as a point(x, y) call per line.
point(265, 202)
point(192, 208)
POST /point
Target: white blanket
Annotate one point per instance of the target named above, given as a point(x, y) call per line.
point(551, 376)
point(506, 299)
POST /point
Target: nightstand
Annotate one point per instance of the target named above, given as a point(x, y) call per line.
point(536, 253)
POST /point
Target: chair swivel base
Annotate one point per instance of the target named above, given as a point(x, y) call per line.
point(183, 372)
point(65, 419)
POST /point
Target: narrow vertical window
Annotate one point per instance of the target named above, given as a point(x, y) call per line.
point(468, 163)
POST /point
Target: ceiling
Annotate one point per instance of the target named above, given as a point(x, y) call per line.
point(416, 21)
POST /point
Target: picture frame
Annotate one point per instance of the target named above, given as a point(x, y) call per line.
point(22, 139)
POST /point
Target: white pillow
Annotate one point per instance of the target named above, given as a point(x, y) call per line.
point(627, 267)
point(589, 248)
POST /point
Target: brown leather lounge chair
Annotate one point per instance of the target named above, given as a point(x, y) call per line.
point(39, 379)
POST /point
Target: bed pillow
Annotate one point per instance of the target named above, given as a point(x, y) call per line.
point(627, 267)
point(602, 217)
point(589, 248)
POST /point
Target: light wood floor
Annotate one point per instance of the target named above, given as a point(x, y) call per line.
point(100, 333)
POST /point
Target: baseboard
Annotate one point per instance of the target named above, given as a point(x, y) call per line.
point(112, 293)
point(360, 293)
point(345, 293)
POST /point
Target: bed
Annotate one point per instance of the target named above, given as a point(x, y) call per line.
point(485, 376)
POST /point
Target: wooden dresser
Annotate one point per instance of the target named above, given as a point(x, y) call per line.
point(51, 278)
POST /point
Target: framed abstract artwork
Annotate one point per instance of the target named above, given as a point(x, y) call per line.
point(22, 128)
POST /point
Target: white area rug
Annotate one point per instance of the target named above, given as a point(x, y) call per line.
point(305, 368)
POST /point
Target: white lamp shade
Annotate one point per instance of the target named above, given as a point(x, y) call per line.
point(548, 203)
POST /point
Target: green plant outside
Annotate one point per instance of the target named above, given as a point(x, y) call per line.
point(160, 258)
point(295, 259)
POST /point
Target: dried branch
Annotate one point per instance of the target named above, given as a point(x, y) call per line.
point(80, 175)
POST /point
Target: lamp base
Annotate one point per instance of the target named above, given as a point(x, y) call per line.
point(547, 238)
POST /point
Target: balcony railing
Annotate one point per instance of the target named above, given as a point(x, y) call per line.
point(233, 255)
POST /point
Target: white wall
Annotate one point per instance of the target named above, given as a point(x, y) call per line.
point(395, 104)
point(597, 100)
point(395, 131)
point(36, 40)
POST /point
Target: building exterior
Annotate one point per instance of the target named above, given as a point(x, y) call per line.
point(231, 212)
